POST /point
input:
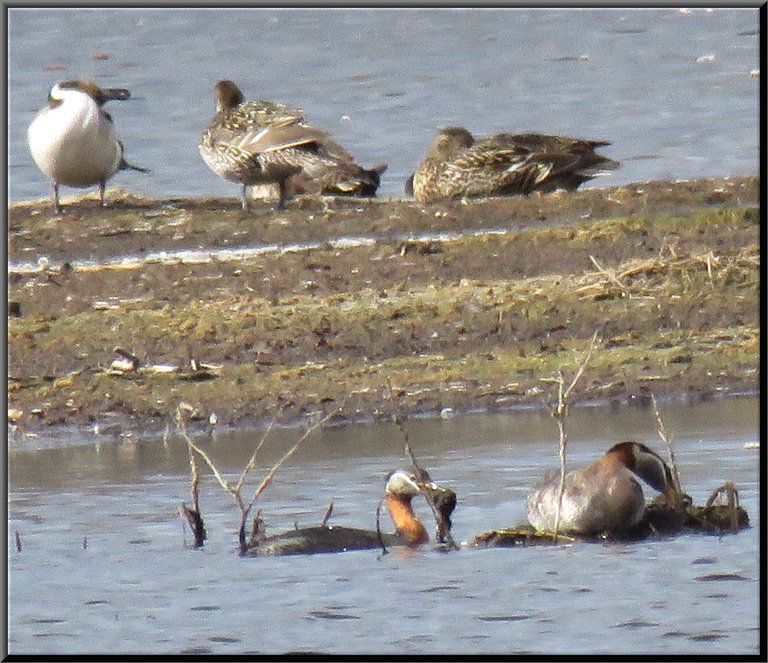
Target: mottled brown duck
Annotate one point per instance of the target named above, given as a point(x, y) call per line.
point(460, 166)
point(263, 142)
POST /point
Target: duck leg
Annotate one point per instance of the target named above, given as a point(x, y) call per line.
point(102, 190)
point(244, 197)
point(283, 193)
point(56, 204)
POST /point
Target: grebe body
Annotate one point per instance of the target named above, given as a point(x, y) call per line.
point(603, 497)
point(401, 487)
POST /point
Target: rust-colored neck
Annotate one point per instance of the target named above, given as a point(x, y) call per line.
point(406, 521)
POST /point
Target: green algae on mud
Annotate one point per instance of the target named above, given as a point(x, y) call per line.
point(666, 273)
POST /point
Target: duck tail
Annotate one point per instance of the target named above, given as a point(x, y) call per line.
point(353, 180)
point(124, 165)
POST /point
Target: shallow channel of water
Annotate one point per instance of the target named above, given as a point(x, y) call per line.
point(105, 567)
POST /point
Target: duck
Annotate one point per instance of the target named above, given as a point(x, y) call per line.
point(265, 142)
point(603, 497)
point(72, 139)
point(400, 489)
point(458, 165)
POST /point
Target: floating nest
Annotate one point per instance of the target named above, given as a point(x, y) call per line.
point(663, 517)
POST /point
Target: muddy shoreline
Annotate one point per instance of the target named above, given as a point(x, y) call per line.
point(456, 307)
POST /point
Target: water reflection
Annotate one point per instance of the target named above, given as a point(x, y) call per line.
point(138, 587)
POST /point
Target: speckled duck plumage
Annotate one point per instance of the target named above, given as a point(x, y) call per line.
point(263, 142)
point(460, 166)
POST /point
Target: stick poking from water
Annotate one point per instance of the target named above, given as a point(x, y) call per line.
point(559, 412)
point(423, 476)
point(667, 439)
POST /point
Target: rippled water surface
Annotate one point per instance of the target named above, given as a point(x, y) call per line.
point(105, 565)
point(670, 89)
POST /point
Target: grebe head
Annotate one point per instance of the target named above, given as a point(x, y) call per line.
point(449, 142)
point(65, 89)
point(402, 486)
point(228, 96)
point(647, 464)
point(402, 483)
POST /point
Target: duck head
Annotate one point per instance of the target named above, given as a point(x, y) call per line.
point(646, 464)
point(449, 142)
point(228, 96)
point(63, 89)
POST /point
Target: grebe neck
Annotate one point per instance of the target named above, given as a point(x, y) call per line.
point(405, 520)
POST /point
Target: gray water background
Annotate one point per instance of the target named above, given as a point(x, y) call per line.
point(137, 588)
point(383, 80)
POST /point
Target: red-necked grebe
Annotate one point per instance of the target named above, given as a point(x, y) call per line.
point(401, 487)
point(604, 496)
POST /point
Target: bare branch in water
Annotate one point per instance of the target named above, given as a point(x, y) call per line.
point(245, 509)
point(327, 515)
point(252, 462)
point(559, 413)
point(180, 423)
point(195, 522)
point(236, 488)
point(667, 439)
point(423, 476)
point(380, 536)
point(192, 516)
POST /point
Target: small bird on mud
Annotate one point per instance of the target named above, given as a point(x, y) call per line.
point(460, 166)
point(72, 139)
point(262, 142)
point(603, 497)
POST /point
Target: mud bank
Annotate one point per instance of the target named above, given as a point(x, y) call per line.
point(460, 306)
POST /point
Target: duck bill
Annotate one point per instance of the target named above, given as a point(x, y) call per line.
point(116, 94)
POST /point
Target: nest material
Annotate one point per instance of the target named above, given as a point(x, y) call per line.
point(663, 517)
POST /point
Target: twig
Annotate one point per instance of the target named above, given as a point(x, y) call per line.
point(245, 509)
point(17, 536)
point(380, 536)
point(559, 413)
point(423, 477)
point(607, 274)
point(192, 516)
point(667, 439)
point(184, 407)
point(327, 515)
point(252, 462)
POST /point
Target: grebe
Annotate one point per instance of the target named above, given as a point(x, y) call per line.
point(262, 142)
point(72, 139)
point(458, 165)
point(604, 496)
point(401, 487)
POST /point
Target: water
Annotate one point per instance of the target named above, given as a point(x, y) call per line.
point(104, 567)
point(382, 81)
